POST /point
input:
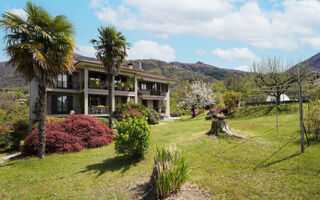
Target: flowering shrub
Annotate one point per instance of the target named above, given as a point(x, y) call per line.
point(74, 133)
point(133, 112)
point(214, 112)
point(56, 142)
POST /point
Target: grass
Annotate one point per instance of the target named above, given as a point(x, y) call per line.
point(267, 166)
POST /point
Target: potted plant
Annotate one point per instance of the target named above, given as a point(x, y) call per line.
point(131, 86)
point(122, 85)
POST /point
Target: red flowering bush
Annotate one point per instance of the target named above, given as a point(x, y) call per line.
point(74, 133)
point(216, 111)
point(56, 142)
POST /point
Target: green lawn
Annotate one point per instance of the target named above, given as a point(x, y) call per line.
point(267, 166)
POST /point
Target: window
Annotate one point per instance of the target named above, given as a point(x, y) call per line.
point(143, 86)
point(62, 104)
point(62, 81)
point(155, 86)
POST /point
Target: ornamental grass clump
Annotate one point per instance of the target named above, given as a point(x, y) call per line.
point(170, 172)
point(133, 136)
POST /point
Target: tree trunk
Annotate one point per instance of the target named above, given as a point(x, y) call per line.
point(278, 98)
point(221, 126)
point(193, 112)
point(42, 112)
point(110, 94)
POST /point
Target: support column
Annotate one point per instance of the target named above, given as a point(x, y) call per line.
point(32, 100)
point(86, 95)
point(135, 89)
point(168, 103)
point(113, 97)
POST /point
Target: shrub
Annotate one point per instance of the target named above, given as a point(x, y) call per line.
point(231, 99)
point(133, 112)
point(5, 138)
point(153, 116)
point(175, 114)
point(170, 172)
point(136, 110)
point(75, 129)
point(132, 137)
point(56, 142)
point(214, 112)
point(19, 132)
point(312, 119)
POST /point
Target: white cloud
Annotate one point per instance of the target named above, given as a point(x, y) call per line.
point(281, 28)
point(146, 49)
point(20, 12)
point(236, 54)
point(244, 68)
point(97, 3)
point(88, 51)
point(199, 51)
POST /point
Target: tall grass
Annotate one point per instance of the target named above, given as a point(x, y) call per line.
point(170, 172)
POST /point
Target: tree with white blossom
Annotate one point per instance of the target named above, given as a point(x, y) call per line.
point(198, 95)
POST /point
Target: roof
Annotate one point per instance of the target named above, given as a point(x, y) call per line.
point(126, 68)
point(157, 77)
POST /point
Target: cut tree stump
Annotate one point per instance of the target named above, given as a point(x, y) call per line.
point(221, 126)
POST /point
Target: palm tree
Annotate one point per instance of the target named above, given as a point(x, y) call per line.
point(40, 47)
point(111, 51)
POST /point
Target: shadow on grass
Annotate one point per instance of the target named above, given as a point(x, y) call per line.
point(122, 163)
point(143, 191)
point(261, 164)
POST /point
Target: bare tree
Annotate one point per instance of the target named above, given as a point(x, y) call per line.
point(274, 77)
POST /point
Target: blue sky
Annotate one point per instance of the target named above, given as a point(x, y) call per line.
point(225, 33)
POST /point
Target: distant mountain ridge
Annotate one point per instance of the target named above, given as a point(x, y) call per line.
point(174, 70)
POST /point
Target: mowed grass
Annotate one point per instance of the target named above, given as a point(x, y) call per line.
point(266, 166)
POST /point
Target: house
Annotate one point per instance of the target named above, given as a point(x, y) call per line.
point(85, 91)
point(283, 97)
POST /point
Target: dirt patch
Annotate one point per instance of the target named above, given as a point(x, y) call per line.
point(144, 191)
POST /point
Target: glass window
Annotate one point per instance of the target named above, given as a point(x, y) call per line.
point(62, 81)
point(143, 86)
point(62, 105)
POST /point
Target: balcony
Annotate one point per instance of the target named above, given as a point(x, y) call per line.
point(98, 110)
point(104, 86)
point(152, 92)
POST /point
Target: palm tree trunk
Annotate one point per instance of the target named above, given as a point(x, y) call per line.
point(110, 94)
point(42, 112)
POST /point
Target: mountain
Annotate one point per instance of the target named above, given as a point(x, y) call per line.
point(175, 70)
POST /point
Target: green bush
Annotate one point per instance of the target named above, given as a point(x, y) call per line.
point(5, 139)
point(312, 118)
point(19, 132)
point(170, 172)
point(175, 114)
point(153, 116)
point(132, 137)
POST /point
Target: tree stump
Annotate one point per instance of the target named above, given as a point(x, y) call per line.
point(221, 126)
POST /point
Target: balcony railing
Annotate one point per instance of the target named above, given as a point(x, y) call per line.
point(104, 86)
point(98, 109)
point(74, 86)
point(152, 92)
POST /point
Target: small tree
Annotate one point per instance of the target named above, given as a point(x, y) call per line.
point(199, 95)
point(232, 98)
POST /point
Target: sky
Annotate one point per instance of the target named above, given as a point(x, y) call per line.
point(225, 33)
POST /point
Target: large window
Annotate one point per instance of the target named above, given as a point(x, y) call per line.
point(62, 81)
point(62, 104)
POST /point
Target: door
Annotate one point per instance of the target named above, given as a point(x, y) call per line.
point(156, 105)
